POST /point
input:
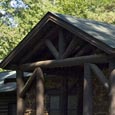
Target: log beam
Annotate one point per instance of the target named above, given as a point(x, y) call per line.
point(38, 75)
point(28, 56)
point(65, 62)
point(20, 100)
point(28, 84)
point(71, 47)
point(87, 96)
point(52, 48)
point(100, 75)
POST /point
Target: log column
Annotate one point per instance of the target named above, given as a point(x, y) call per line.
point(87, 95)
point(112, 93)
point(39, 92)
point(112, 88)
point(20, 84)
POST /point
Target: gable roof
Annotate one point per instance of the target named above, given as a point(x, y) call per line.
point(101, 35)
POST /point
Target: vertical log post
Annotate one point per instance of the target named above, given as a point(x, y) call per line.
point(112, 93)
point(87, 96)
point(39, 92)
point(112, 88)
point(20, 84)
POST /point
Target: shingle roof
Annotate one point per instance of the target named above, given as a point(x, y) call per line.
point(101, 31)
point(7, 87)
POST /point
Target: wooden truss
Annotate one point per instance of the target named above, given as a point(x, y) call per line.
point(62, 54)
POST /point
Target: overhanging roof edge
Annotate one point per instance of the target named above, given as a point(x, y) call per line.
point(85, 36)
point(31, 34)
point(13, 53)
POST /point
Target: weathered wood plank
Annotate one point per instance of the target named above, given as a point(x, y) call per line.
point(87, 96)
point(20, 84)
point(66, 62)
point(100, 75)
point(52, 48)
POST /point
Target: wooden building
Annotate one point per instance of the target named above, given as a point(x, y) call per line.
point(72, 61)
point(8, 92)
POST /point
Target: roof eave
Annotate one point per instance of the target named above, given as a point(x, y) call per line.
point(4, 63)
point(52, 17)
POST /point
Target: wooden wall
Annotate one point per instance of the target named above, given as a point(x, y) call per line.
point(7, 103)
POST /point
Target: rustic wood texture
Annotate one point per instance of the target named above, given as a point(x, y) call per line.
point(36, 47)
point(61, 43)
point(30, 99)
point(70, 47)
point(20, 84)
point(19, 52)
point(27, 84)
point(87, 96)
point(100, 75)
point(39, 92)
point(112, 93)
point(52, 48)
point(65, 62)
